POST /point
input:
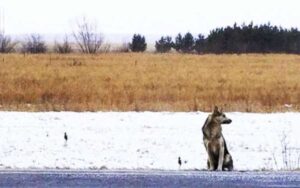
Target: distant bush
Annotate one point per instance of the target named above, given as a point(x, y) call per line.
point(63, 48)
point(164, 44)
point(123, 48)
point(138, 43)
point(6, 44)
point(34, 44)
point(105, 48)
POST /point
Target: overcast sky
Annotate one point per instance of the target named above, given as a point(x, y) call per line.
point(149, 17)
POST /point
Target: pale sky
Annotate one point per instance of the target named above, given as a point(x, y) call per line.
point(149, 17)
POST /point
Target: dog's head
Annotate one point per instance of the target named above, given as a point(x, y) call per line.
point(220, 117)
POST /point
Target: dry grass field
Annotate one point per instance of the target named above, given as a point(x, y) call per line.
point(154, 82)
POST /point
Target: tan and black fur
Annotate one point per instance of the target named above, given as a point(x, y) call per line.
point(219, 157)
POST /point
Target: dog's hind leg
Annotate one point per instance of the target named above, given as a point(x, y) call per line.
point(228, 162)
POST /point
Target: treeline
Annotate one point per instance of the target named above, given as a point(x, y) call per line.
point(236, 39)
point(249, 38)
point(253, 39)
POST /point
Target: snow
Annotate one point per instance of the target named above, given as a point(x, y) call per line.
point(143, 140)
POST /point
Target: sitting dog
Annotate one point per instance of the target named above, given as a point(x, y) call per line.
point(218, 156)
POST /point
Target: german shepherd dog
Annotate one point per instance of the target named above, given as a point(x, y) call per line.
point(218, 156)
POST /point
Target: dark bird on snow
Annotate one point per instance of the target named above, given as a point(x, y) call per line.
point(66, 137)
point(179, 161)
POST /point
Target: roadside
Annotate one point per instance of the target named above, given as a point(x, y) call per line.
point(148, 179)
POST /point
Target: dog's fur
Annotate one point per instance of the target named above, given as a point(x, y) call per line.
point(218, 156)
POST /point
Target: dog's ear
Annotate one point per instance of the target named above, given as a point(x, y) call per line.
point(221, 110)
point(216, 110)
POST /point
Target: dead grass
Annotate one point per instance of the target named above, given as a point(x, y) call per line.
point(155, 82)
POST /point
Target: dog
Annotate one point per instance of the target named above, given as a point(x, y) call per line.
point(219, 157)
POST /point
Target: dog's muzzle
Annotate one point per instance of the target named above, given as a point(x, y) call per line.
point(228, 121)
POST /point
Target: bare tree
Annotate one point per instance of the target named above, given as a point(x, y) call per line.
point(87, 37)
point(63, 48)
point(34, 44)
point(6, 44)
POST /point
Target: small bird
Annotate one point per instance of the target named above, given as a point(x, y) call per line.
point(179, 162)
point(66, 137)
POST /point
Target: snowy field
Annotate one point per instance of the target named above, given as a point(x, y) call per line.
point(149, 140)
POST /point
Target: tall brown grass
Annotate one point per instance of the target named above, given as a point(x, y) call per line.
point(155, 82)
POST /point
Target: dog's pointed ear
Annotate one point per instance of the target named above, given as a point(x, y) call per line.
point(216, 110)
point(221, 110)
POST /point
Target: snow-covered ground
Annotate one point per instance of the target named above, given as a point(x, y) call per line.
point(148, 140)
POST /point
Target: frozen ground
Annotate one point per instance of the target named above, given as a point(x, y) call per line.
point(130, 140)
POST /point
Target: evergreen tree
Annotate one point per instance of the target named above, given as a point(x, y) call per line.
point(178, 43)
point(138, 43)
point(200, 44)
point(187, 43)
point(164, 44)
